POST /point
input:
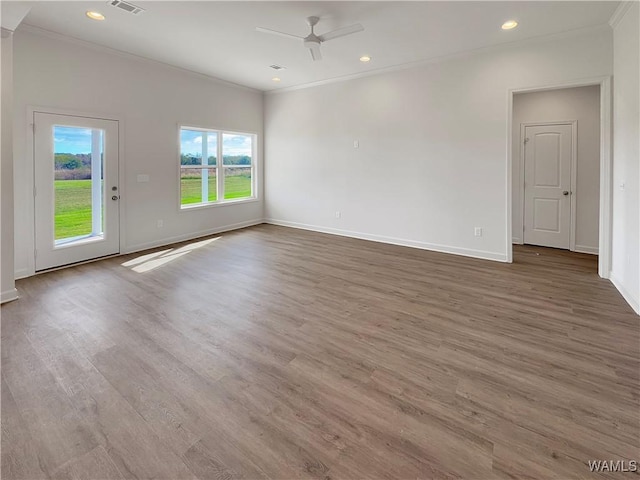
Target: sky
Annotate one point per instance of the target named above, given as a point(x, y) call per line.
point(232, 144)
point(78, 140)
point(72, 139)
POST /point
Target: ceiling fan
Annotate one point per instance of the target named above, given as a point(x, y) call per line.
point(313, 41)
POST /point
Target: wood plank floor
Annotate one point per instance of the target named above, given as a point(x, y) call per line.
point(278, 353)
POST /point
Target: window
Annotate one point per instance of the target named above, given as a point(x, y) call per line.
point(206, 180)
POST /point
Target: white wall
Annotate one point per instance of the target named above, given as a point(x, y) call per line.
point(626, 156)
point(581, 104)
point(7, 284)
point(152, 99)
point(432, 162)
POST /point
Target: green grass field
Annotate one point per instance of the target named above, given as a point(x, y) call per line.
point(235, 186)
point(73, 208)
point(191, 190)
point(73, 200)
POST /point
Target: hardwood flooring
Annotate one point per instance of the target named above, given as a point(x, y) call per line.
point(278, 353)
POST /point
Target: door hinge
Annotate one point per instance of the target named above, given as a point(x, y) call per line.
point(526, 140)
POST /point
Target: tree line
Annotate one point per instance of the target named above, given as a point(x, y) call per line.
point(72, 166)
point(191, 159)
point(71, 161)
point(77, 166)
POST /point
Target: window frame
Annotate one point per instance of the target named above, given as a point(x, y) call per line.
point(219, 168)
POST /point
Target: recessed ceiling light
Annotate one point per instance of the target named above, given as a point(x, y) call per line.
point(365, 58)
point(509, 24)
point(95, 15)
point(276, 79)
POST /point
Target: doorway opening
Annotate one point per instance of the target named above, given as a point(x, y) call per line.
point(559, 169)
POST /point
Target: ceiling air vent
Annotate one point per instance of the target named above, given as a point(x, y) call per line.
point(127, 7)
point(277, 67)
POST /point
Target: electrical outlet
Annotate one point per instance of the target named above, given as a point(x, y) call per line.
point(477, 231)
point(338, 215)
point(356, 144)
point(160, 223)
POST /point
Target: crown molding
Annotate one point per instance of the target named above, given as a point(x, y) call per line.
point(32, 29)
point(445, 58)
point(620, 12)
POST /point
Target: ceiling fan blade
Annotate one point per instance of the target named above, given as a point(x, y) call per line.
point(315, 52)
point(275, 32)
point(341, 32)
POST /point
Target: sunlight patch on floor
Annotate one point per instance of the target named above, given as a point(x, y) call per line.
point(151, 261)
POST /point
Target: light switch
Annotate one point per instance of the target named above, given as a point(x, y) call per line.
point(143, 178)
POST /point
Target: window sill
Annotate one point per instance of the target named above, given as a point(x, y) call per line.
point(226, 203)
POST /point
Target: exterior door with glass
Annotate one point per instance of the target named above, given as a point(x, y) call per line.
point(76, 189)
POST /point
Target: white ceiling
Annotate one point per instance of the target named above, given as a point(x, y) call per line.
point(219, 38)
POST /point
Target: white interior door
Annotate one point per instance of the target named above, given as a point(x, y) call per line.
point(77, 192)
point(547, 186)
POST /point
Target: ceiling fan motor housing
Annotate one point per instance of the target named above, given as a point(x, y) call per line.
point(311, 40)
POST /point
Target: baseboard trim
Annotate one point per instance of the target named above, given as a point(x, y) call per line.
point(585, 249)
point(189, 236)
point(516, 240)
point(9, 295)
point(466, 252)
point(631, 300)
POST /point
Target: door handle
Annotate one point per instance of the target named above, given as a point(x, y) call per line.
point(115, 197)
point(565, 193)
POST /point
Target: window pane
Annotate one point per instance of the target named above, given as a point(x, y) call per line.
point(196, 184)
point(78, 182)
point(199, 151)
point(237, 182)
point(212, 147)
point(190, 147)
point(237, 149)
point(212, 184)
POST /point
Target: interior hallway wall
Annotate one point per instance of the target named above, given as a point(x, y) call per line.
point(625, 270)
point(7, 284)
